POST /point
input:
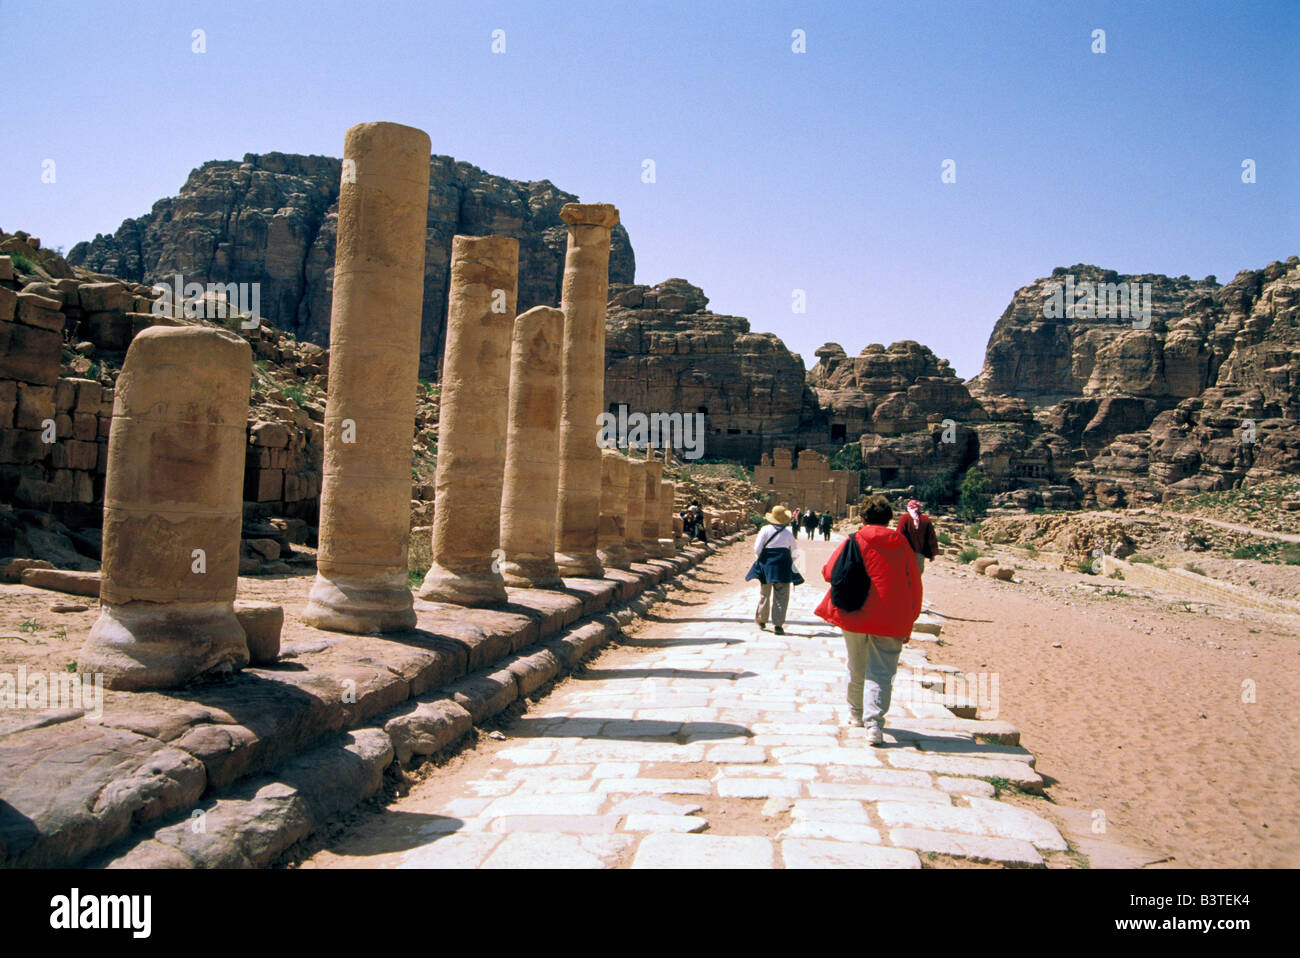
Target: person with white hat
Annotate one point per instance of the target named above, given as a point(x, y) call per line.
point(775, 551)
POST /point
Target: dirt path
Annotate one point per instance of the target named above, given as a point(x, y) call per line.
point(1230, 526)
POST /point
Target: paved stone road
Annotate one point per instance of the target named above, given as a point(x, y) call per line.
point(702, 742)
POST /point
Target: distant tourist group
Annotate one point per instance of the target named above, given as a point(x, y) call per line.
point(874, 596)
point(812, 523)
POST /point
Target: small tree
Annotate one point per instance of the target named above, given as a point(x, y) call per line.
point(849, 456)
point(973, 500)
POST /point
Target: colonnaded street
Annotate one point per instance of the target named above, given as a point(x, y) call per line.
point(700, 741)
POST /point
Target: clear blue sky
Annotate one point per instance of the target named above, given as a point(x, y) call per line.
point(775, 170)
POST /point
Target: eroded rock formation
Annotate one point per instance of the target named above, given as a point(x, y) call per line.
point(273, 219)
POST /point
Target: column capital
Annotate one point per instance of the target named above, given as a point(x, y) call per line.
point(590, 214)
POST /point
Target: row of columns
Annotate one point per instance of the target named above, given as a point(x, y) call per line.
point(524, 493)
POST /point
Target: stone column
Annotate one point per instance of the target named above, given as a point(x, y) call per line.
point(612, 534)
point(173, 506)
point(532, 452)
point(365, 504)
point(472, 422)
point(584, 292)
point(635, 523)
point(653, 514)
point(667, 499)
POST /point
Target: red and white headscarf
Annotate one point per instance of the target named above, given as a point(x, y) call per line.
point(914, 510)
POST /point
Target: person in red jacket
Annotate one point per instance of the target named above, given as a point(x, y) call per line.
point(875, 634)
point(918, 530)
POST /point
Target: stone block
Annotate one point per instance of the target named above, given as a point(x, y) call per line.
point(978, 848)
point(531, 672)
point(811, 853)
point(704, 851)
point(85, 427)
point(11, 570)
point(103, 297)
point(35, 311)
point(483, 696)
point(89, 395)
point(427, 728)
point(35, 407)
point(23, 446)
point(29, 354)
point(262, 623)
point(62, 580)
point(264, 485)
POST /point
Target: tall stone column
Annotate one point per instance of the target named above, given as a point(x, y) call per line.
point(667, 534)
point(472, 422)
point(583, 295)
point(173, 506)
point(612, 534)
point(653, 514)
point(532, 452)
point(365, 508)
point(635, 523)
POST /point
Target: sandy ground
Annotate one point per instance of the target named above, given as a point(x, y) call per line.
point(1141, 716)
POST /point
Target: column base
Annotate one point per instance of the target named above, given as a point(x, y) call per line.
point(152, 645)
point(667, 548)
point(579, 565)
point(615, 556)
point(476, 590)
point(361, 606)
point(532, 573)
point(636, 552)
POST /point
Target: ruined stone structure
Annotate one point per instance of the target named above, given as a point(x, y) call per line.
point(668, 528)
point(652, 514)
point(361, 581)
point(634, 526)
point(611, 536)
point(473, 424)
point(585, 289)
point(532, 468)
point(806, 483)
point(172, 512)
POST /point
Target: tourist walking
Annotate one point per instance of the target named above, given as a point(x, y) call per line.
point(918, 530)
point(810, 522)
point(874, 633)
point(798, 515)
point(775, 551)
point(825, 524)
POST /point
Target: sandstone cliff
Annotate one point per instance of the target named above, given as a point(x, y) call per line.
point(665, 352)
point(271, 219)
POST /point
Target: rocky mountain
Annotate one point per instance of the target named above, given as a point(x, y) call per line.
point(666, 352)
point(272, 218)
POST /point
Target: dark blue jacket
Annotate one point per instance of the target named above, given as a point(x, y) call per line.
point(774, 565)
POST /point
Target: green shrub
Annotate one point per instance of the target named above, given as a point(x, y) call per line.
point(940, 489)
point(945, 539)
point(24, 262)
point(848, 456)
point(1259, 550)
point(973, 500)
point(1192, 567)
point(1290, 553)
point(967, 555)
point(1085, 566)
